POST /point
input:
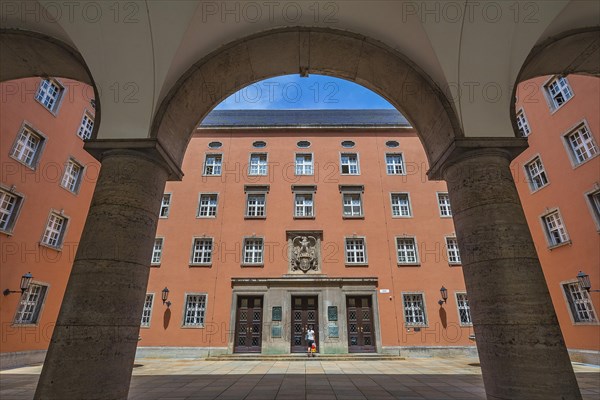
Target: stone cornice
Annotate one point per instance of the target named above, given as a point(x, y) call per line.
point(303, 280)
point(150, 148)
point(461, 148)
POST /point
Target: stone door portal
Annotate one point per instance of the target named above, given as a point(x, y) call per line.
point(248, 329)
point(305, 312)
point(361, 332)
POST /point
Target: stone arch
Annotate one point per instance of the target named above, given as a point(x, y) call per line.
point(28, 54)
point(306, 50)
point(572, 52)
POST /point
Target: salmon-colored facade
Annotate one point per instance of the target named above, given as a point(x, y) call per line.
point(572, 190)
point(33, 189)
point(251, 260)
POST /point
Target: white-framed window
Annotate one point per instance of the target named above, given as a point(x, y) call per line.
point(202, 251)
point(72, 176)
point(256, 205)
point(253, 251)
point(207, 205)
point(165, 205)
point(536, 174)
point(522, 123)
point(580, 304)
point(157, 251)
point(304, 205)
point(27, 147)
point(444, 204)
point(555, 230)
point(30, 305)
point(394, 163)
point(304, 164)
point(414, 309)
point(258, 164)
point(195, 310)
point(147, 310)
point(86, 127)
point(593, 199)
point(452, 250)
point(10, 203)
point(212, 164)
point(49, 93)
point(559, 91)
point(349, 164)
point(55, 230)
point(464, 311)
point(356, 251)
point(400, 205)
point(406, 250)
point(581, 144)
point(352, 205)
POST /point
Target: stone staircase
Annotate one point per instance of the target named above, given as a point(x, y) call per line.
point(304, 357)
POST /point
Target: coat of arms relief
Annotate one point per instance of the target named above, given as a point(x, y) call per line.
point(305, 252)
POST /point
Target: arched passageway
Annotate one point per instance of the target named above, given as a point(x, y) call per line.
point(93, 347)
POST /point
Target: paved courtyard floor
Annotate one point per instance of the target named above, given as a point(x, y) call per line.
point(178, 379)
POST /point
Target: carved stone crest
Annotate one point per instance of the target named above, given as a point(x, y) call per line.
point(304, 252)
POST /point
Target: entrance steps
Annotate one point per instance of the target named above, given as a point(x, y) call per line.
point(304, 357)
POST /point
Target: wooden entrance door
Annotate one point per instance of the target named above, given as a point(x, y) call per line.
point(248, 325)
point(305, 312)
point(361, 329)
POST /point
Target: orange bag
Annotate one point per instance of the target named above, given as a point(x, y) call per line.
point(313, 348)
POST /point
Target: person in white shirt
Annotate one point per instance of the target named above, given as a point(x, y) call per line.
point(310, 338)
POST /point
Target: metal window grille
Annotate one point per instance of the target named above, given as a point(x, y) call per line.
point(147, 311)
point(195, 308)
point(253, 251)
point(414, 310)
point(356, 251)
point(202, 253)
point(54, 230)
point(407, 250)
point(400, 205)
point(394, 164)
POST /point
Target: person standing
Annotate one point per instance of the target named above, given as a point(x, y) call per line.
point(310, 339)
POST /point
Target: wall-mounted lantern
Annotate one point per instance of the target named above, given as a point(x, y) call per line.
point(25, 281)
point(444, 294)
point(584, 282)
point(165, 296)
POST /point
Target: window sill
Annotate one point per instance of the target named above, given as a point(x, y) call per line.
point(353, 217)
point(31, 167)
point(161, 217)
point(586, 323)
point(409, 264)
point(206, 216)
point(532, 190)
point(192, 326)
point(74, 193)
point(252, 265)
point(26, 325)
point(363, 265)
point(10, 233)
point(55, 248)
point(192, 265)
point(455, 264)
point(58, 101)
point(466, 325)
point(207, 175)
point(295, 217)
point(250, 217)
point(415, 326)
point(579, 164)
point(144, 327)
point(153, 265)
point(446, 216)
point(555, 246)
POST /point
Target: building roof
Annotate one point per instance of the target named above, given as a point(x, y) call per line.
point(304, 118)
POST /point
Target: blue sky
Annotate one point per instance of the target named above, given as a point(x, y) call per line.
point(294, 92)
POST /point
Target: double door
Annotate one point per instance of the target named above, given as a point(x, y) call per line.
point(305, 313)
point(248, 329)
point(359, 317)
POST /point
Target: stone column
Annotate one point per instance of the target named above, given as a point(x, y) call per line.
point(94, 342)
point(521, 348)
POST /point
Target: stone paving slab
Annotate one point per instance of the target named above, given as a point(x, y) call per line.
point(411, 379)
